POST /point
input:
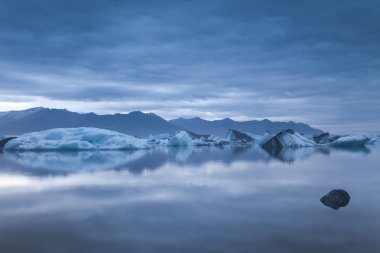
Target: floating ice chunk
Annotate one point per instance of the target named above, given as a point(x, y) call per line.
point(159, 140)
point(373, 138)
point(238, 137)
point(4, 140)
point(216, 140)
point(288, 138)
point(185, 138)
point(182, 138)
point(264, 138)
point(325, 138)
point(297, 140)
point(82, 138)
point(351, 141)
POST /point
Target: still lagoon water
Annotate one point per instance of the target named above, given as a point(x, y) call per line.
point(230, 199)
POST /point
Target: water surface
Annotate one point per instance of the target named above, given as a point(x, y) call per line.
point(230, 199)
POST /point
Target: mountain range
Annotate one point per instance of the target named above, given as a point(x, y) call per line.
point(134, 123)
point(38, 119)
point(220, 127)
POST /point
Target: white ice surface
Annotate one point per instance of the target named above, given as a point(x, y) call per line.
point(264, 138)
point(296, 140)
point(87, 138)
point(183, 138)
point(83, 138)
point(351, 141)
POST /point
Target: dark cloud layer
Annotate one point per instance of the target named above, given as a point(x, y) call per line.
point(312, 61)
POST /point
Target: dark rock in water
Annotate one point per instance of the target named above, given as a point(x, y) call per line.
point(325, 138)
point(336, 199)
point(4, 141)
point(238, 137)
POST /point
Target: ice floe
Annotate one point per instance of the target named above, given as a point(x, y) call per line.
point(83, 138)
point(87, 138)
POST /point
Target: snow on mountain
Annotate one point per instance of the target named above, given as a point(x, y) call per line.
point(76, 139)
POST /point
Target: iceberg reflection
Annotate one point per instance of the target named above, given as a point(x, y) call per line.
point(53, 162)
point(72, 161)
point(229, 199)
point(289, 155)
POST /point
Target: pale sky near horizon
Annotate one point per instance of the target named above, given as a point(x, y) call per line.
point(313, 61)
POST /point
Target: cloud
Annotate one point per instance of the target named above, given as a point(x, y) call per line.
point(313, 61)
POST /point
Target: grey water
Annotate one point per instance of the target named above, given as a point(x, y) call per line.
point(226, 199)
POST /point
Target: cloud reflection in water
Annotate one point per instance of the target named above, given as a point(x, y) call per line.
point(208, 200)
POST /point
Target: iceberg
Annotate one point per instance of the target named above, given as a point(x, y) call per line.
point(345, 140)
point(288, 138)
point(237, 137)
point(373, 138)
point(351, 141)
point(186, 138)
point(83, 138)
point(4, 140)
point(325, 138)
point(88, 138)
point(181, 138)
point(261, 139)
point(159, 140)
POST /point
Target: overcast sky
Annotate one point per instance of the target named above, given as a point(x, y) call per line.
point(312, 61)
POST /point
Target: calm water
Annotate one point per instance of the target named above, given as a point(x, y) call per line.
point(189, 200)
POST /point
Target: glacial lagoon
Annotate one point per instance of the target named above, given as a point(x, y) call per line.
point(190, 199)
